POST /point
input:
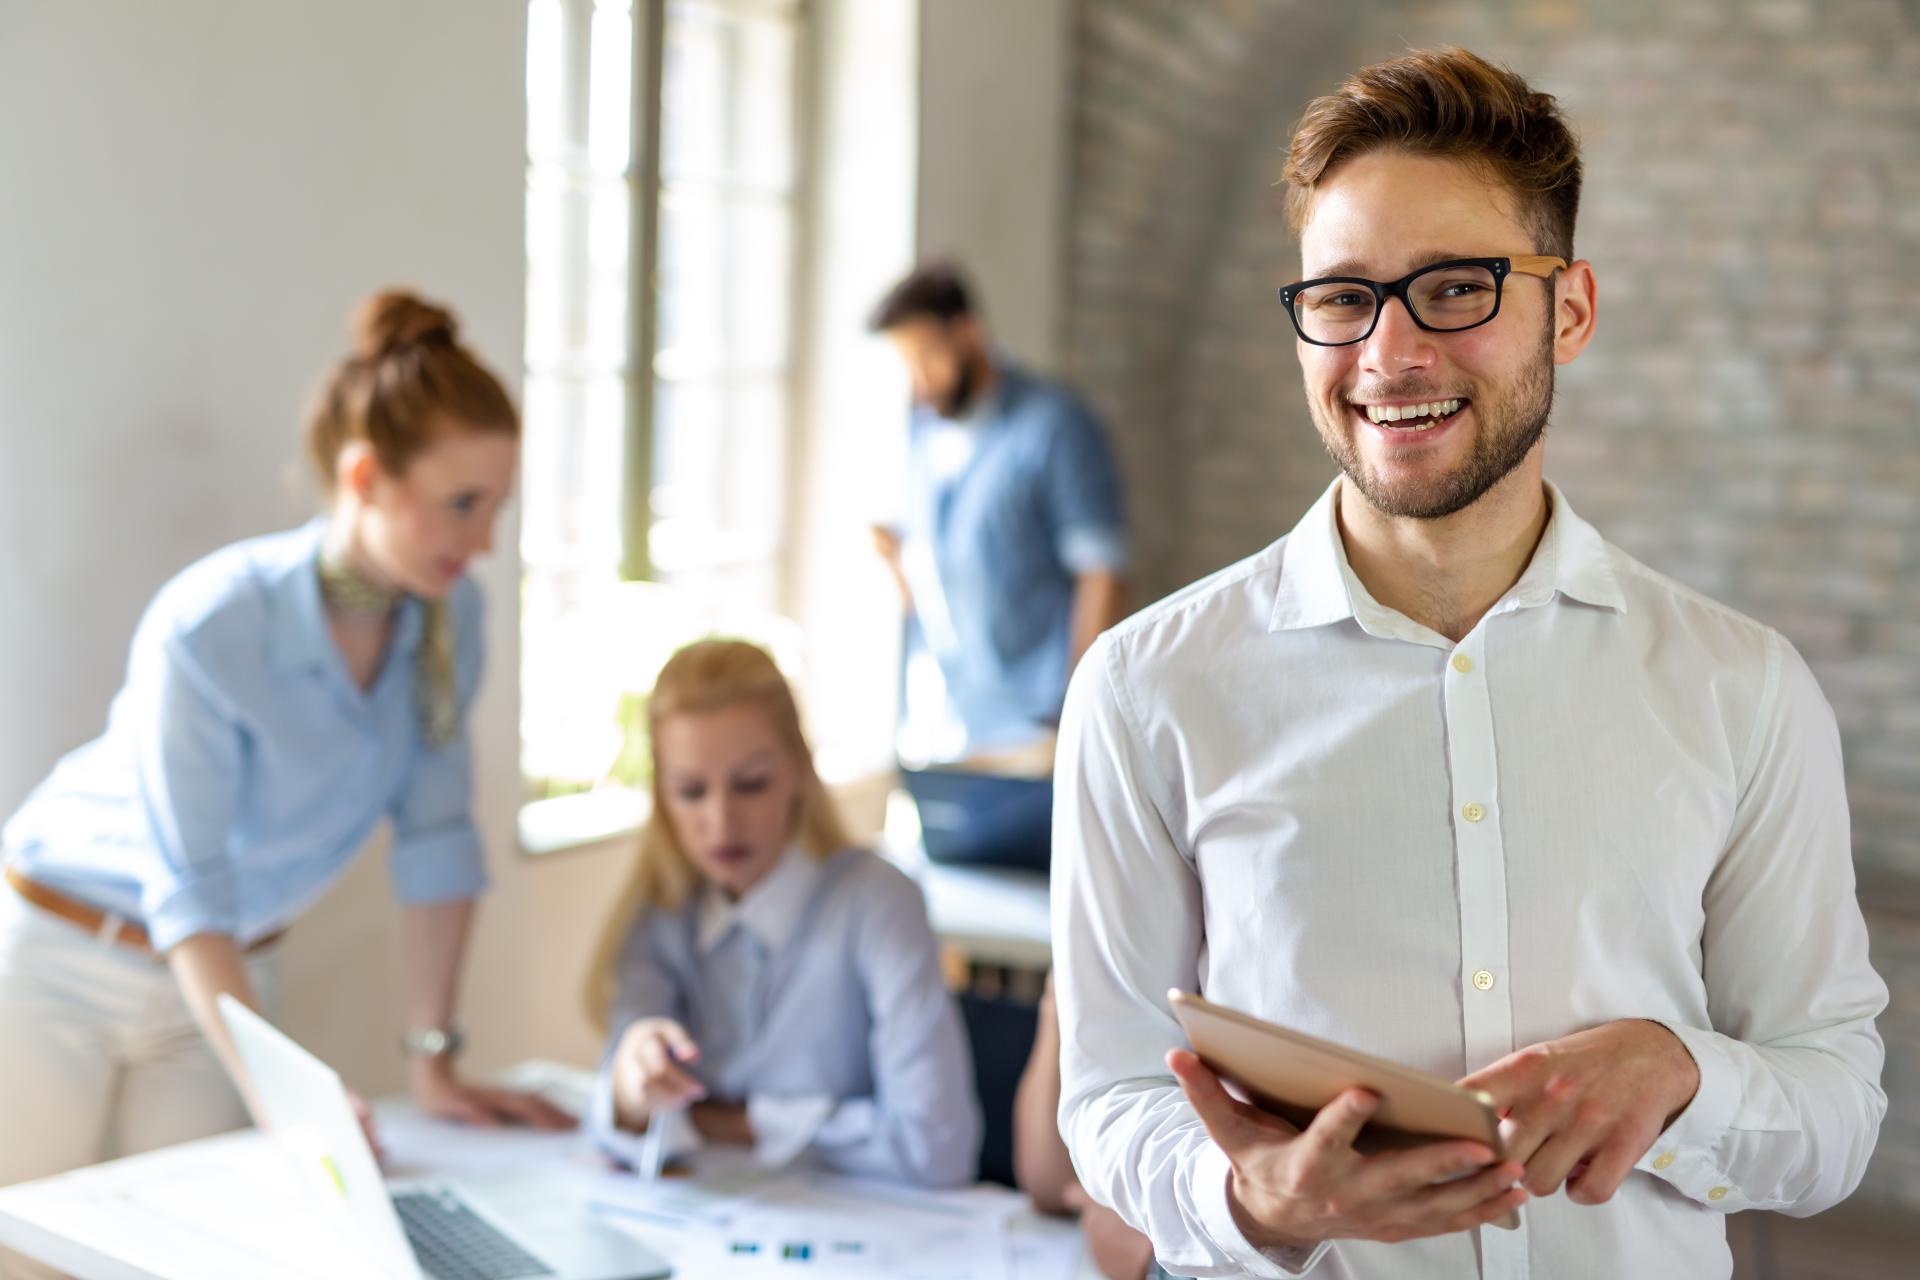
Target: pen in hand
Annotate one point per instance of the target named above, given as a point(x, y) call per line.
point(653, 1147)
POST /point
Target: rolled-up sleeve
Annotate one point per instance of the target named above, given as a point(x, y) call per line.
point(437, 855)
point(1083, 492)
point(922, 1125)
point(1127, 926)
point(190, 758)
point(1789, 1103)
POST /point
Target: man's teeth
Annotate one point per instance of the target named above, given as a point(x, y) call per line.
point(1402, 412)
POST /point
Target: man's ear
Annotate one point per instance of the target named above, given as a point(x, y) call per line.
point(1576, 305)
point(967, 332)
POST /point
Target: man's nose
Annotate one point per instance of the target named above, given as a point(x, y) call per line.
point(1396, 344)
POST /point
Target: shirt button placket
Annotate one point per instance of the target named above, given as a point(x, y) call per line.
point(1480, 864)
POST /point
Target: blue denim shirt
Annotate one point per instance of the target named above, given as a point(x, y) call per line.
point(993, 545)
point(242, 769)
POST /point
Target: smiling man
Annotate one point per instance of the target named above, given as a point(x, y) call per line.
point(1443, 775)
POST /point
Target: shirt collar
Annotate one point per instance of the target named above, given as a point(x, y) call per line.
point(301, 640)
point(300, 636)
point(1572, 560)
point(1318, 586)
point(770, 911)
point(1313, 570)
point(1010, 384)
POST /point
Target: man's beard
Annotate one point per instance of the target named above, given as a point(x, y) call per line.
point(1508, 430)
point(959, 397)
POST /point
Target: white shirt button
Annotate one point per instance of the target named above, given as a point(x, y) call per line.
point(1663, 1160)
point(1473, 811)
point(1462, 663)
point(1718, 1193)
point(1483, 980)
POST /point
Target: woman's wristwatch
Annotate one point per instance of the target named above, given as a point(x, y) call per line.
point(432, 1042)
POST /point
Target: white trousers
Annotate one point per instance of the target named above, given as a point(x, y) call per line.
point(99, 1055)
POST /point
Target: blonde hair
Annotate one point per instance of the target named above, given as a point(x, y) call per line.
point(709, 675)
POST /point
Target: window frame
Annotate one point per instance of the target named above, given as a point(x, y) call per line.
point(549, 821)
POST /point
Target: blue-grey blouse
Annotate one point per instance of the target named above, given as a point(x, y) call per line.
point(816, 999)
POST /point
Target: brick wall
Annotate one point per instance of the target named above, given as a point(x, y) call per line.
point(1748, 417)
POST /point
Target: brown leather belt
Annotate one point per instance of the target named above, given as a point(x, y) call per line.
point(127, 933)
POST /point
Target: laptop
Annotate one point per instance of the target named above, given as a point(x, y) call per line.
point(430, 1229)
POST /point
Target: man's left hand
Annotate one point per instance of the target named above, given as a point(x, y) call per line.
point(439, 1092)
point(1583, 1109)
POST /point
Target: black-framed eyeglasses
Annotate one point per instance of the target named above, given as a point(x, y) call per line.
point(1462, 293)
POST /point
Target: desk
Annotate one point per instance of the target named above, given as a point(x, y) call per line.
point(996, 915)
point(226, 1208)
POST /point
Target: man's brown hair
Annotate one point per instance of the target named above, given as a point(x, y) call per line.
point(1451, 103)
point(935, 290)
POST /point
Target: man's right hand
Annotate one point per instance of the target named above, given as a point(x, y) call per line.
point(1296, 1187)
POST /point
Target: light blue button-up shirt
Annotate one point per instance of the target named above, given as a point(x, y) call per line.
point(242, 769)
point(994, 540)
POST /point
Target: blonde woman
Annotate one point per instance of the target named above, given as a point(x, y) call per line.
point(781, 987)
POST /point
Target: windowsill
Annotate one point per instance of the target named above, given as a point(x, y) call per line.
point(587, 818)
point(615, 813)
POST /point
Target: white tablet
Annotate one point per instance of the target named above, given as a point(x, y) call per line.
point(1293, 1075)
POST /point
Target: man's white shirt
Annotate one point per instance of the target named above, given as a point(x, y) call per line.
point(1613, 799)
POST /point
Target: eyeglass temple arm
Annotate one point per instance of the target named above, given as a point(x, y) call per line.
point(1537, 265)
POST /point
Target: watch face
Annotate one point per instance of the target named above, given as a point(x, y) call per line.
point(433, 1042)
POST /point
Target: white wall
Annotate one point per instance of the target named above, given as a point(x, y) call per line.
point(995, 90)
point(196, 193)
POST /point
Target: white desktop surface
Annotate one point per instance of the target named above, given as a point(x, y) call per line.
point(226, 1208)
point(996, 915)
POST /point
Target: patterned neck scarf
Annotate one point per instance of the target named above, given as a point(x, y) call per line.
point(348, 591)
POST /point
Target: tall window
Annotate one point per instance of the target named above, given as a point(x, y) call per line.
point(721, 361)
point(661, 142)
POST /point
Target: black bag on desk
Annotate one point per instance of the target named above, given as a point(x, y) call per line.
point(983, 819)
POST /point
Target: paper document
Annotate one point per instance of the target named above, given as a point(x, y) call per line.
point(724, 1179)
point(836, 1228)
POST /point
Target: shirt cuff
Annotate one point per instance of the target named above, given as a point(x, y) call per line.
point(443, 865)
point(1092, 549)
point(1683, 1156)
point(623, 1145)
point(604, 1130)
point(784, 1127)
point(1210, 1173)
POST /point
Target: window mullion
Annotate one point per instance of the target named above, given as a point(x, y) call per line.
point(643, 176)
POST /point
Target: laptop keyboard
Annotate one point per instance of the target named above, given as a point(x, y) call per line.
point(452, 1242)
